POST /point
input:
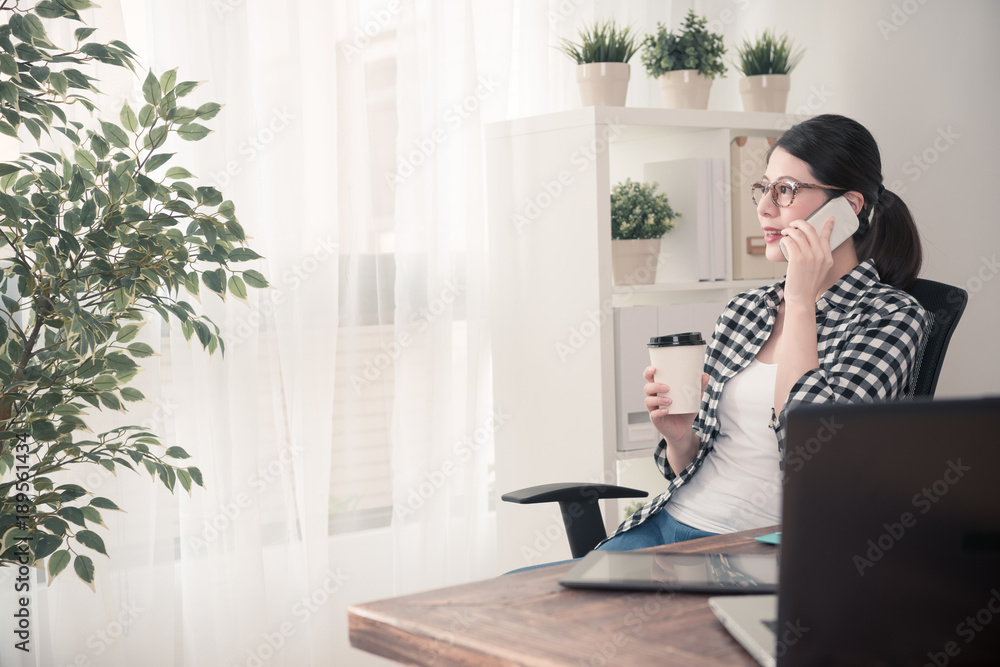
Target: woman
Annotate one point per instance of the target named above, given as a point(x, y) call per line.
point(838, 328)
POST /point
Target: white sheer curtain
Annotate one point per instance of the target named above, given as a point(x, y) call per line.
point(346, 437)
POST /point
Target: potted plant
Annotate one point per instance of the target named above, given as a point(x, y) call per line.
point(602, 70)
point(95, 237)
point(685, 63)
point(640, 216)
point(766, 62)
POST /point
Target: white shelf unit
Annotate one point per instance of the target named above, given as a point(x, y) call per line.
point(552, 300)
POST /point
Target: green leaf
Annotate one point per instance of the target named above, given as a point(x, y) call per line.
point(7, 129)
point(114, 134)
point(185, 477)
point(255, 279)
point(191, 283)
point(214, 282)
point(129, 120)
point(177, 453)
point(121, 299)
point(185, 87)
point(132, 395)
point(141, 350)
point(110, 401)
point(85, 159)
point(59, 82)
point(237, 288)
point(83, 33)
point(193, 132)
point(158, 161)
point(8, 65)
point(156, 137)
point(8, 93)
point(72, 514)
point(84, 567)
point(151, 89)
point(179, 172)
point(105, 383)
point(196, 476)
point(105, 504)
point(46, 544)
point(92, 515)
point(58, 563)
point(167, 80)
point(90, 539)
point(43, 430)
point(242, 255)
point(128, 332)
point(55, 525)
point(147, 115)
point(208, 111)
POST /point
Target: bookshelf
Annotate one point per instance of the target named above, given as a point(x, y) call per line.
point(549, 181)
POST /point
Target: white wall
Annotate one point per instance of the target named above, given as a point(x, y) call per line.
point(923, 77)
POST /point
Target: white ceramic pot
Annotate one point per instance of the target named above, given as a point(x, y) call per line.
point(634, 261)
point(765, 92)
point(603, 84)
point(685, 89)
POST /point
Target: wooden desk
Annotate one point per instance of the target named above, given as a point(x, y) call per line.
point(529, 619)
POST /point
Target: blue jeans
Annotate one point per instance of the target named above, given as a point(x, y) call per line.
point(659, 529)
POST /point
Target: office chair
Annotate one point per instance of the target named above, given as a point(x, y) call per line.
point(578, 502)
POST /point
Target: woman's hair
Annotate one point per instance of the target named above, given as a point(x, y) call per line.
point(842, 153)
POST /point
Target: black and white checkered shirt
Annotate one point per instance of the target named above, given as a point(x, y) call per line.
point(870, 337)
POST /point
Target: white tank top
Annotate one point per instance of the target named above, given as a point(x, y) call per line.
point(738, 486)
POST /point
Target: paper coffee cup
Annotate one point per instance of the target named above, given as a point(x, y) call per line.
point(679, 361)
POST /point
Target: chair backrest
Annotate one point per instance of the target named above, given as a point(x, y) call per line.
point(946, 304)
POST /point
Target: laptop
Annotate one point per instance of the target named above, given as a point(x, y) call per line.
point(890, 542)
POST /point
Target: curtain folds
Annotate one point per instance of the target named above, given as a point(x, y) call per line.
point(346, 437)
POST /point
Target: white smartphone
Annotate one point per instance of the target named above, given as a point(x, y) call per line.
point(845, 222)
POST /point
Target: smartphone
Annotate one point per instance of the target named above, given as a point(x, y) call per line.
point(844, 225)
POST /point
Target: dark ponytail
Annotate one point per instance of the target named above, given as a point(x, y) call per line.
point(843, 153)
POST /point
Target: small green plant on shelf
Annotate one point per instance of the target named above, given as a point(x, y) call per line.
point(693, 47)
point(602, 42)
point(767, 54)
point(638, 211)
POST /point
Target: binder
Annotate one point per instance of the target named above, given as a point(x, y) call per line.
point(686, 250)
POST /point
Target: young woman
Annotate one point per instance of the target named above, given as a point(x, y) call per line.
point(838, 328)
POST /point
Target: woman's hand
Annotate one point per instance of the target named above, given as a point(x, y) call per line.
point(809, 261)
point(675, 428)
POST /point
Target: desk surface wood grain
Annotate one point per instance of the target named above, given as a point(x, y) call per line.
point(527, 618)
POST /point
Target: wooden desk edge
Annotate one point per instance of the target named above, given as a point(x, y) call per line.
point(374, 629)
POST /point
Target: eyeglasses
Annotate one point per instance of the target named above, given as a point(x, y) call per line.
point(782, 192)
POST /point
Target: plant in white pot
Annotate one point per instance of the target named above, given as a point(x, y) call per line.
point(640, 216)
point(766, 62)
point(685, 63)
point(602, 69)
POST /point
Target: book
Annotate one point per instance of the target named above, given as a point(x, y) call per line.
point(685, 251)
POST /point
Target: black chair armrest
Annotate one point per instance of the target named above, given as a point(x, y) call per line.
point(549, 493)
point(580, 512)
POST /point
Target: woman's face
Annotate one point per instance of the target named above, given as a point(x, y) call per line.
point(784, 166)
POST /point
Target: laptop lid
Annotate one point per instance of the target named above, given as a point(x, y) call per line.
point(890, 546)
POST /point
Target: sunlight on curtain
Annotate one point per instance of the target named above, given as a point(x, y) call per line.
point(346, 437)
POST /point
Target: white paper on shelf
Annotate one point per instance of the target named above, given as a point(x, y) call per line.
point(716, 193)
point(685, 252)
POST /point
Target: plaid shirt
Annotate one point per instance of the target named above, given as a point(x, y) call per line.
point(869, 337)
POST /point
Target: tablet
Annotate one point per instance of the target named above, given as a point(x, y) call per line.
point(693, 573)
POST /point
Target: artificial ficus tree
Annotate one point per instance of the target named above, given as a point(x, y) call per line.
point(99, 229)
